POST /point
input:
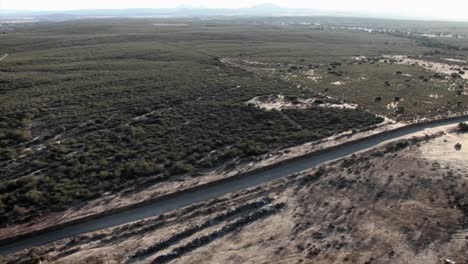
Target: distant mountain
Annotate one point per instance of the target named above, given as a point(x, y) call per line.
point(266, 9)
point(183, 11)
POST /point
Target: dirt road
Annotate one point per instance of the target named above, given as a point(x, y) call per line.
point(212, 190)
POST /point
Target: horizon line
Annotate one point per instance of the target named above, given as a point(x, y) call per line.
point(327, 12)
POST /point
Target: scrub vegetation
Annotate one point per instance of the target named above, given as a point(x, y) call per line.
point(89, 107)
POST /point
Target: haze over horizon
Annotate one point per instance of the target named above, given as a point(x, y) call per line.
point(418, 9)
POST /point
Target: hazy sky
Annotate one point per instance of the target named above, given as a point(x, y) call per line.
point(448, 9)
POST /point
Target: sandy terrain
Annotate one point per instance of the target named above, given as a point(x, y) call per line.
point(338, 83)
point(393, 105)
point(279, 102)
point(170, 25)
point(456, 60)
point(437, 67)
point(443, 36)
point(312, 75)
point(442, 150)
point(393, 204)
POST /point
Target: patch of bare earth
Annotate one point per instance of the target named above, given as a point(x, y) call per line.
point(380, 207)
point(280, 102)
point(442, 151)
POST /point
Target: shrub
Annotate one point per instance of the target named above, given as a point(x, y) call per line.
point(231, 153)
point(180, 168)
point(19, 135)
point(19, 211)
point(34, 197)
point(140, 168)
point(401, 145)
point(39, 164)
point(252, 149)
point(463, 127)
point(400, 110)
point(27, 182)
point(6, 154)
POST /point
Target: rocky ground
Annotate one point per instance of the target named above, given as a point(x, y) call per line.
point(404, 202)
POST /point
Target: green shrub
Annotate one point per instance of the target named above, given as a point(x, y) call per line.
point(19, 135)
point(6, 154)
point(180, 168)
point(463, 127)
point(140, 168)
point(34, 197)
point(39, 164)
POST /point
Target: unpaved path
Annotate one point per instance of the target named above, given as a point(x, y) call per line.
point(4, 57)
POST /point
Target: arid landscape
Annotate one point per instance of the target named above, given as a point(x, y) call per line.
point(257, 139)
point(397, 203)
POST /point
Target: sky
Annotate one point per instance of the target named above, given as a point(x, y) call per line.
point(430, 9)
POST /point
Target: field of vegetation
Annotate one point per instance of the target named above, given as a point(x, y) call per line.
point(393, 90)
point(89, 107)
point(96, 106)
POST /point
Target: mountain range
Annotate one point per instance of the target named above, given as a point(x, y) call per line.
point(181, 11)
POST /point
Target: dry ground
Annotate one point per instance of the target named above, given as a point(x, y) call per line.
point(394, 204)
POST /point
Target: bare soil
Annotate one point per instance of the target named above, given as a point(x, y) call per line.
point(393, 204)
